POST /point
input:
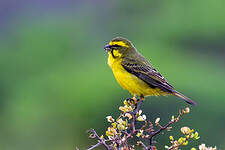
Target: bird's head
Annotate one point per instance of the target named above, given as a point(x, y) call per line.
point(119, 47)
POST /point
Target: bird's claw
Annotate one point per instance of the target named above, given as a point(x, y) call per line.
point(133, 100)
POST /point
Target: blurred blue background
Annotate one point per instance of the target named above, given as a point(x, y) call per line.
point(55, 83)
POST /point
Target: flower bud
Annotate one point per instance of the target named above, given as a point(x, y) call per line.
point(185, 130)
point(110, 119)
point(157, 120)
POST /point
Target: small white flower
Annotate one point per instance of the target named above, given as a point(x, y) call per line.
point(141, 118)
point(120, 121)
point(110, 119)
point(167, 147)
point(128, 115)
point(186, 110)
point(185, 130)
point(157, 120)
point(203, 147)
point(172, 118)
point(139, 112)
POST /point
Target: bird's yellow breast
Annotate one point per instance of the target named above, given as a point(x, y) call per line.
point(127, 80)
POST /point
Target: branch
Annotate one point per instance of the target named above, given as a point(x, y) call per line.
point(101, 141)
point(132, 123)
point(157, 132)
point(134, 117)
point(181, 113)
point(94, 146)
point(142, 144)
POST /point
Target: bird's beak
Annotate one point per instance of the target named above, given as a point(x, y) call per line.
point(107, 47)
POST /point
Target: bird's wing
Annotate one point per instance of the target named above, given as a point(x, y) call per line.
point(147, 73)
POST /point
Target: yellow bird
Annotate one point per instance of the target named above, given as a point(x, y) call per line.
point(135, 73)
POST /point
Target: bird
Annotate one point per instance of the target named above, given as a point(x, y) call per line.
point(135, 73)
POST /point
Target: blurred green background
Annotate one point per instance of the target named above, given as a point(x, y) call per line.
point(55, 83)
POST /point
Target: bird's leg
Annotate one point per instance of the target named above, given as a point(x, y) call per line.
point(135, 100)
point(142, 97)
point(138, 105)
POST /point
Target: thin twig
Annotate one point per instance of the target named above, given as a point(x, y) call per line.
point(101, 141)
point(138, 106)
point(94, 146)
point(163, 128)
point(121, 132)
point(157, 132)
point(143, 145)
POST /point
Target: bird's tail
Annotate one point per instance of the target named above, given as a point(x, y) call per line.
point(188, 100)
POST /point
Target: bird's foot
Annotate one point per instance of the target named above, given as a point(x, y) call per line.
point(135, 103)
point(133, 100)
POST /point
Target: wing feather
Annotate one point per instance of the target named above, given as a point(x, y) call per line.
point(142, 69)
point(148, 74)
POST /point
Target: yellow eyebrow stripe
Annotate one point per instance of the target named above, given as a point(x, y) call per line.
point(120, 43)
